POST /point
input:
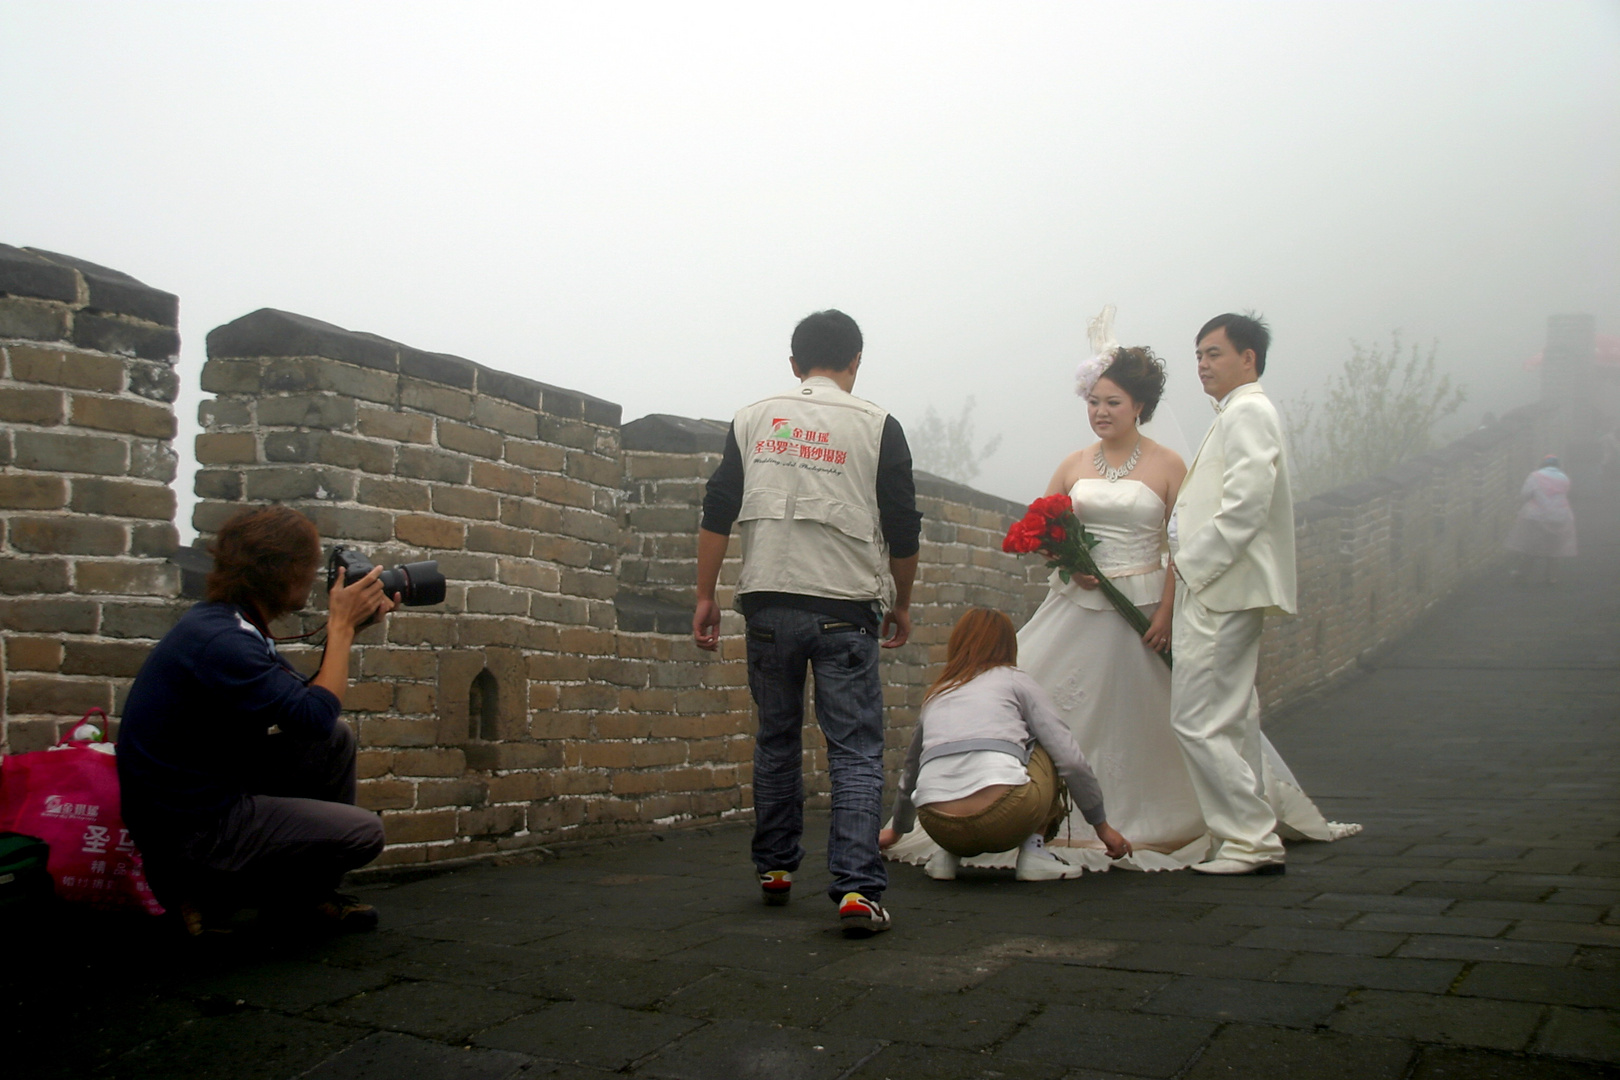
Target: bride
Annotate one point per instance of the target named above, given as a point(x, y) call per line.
point(1109, 684)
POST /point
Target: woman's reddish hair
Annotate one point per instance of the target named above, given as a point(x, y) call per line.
point(982, 639)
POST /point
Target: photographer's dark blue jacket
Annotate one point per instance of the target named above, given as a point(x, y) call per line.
point(197, 718)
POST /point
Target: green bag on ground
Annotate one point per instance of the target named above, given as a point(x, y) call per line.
point(24, 880)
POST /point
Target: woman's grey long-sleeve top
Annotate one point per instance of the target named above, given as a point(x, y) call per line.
point(1001, 706)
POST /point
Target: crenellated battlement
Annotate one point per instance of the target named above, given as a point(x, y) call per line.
point(556, 692)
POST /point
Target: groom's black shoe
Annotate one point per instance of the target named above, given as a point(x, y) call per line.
point(1235, 866)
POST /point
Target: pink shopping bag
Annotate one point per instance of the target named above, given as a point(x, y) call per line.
point(67, 796)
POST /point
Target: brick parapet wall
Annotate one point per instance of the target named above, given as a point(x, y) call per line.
point(556, 694)
point(1373, 557)
point(87, 385)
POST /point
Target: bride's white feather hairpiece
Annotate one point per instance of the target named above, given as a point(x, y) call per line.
point(1100, 331)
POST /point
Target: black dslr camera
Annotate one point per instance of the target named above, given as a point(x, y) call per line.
point(415, 583)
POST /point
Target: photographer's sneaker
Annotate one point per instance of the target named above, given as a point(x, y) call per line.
point(776, 886)
point(1037, 862)
point(861, 917)
point(942, 866)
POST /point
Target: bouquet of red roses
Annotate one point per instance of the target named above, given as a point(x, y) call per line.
point(1050, 528)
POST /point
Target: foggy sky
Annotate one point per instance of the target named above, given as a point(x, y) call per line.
point(639, 200)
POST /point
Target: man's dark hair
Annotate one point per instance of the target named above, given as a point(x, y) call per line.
point(259, 555)
point(826, 341)
point(1244, 332)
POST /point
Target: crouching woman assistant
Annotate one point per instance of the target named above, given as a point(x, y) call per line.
point(992, 765)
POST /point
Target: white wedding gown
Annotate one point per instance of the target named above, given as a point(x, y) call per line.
point(1115, 694)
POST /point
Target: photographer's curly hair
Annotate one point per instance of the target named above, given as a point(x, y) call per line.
point(260, 555)
point(1140, 374)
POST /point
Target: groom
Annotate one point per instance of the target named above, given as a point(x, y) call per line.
point(1233, 552)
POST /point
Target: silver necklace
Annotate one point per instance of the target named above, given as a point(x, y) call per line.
point(1107, 471)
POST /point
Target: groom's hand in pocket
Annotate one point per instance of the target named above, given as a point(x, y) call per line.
point(896, 629)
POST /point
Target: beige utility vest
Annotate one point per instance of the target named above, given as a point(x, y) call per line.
point(809, 519)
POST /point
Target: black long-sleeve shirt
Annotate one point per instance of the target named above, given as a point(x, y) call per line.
point(898, 519)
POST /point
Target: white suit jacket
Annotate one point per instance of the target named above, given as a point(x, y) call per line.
point(1235, 514)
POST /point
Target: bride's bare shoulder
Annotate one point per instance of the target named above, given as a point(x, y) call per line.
point(1163, 456)
point(1072, 468)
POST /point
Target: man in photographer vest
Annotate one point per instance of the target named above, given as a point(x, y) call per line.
point(819, 482)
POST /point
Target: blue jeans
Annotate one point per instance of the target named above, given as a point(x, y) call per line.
point(782, 642)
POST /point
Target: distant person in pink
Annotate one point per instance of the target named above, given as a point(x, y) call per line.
point(1545, 527)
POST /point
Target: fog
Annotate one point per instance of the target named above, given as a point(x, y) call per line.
point(639, 200)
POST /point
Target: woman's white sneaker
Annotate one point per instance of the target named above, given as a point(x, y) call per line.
point(942, 866)
point(1037, 862)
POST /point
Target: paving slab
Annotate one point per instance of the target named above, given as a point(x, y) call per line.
point(1247, 1050)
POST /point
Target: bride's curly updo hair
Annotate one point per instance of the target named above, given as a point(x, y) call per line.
point(1140, 374)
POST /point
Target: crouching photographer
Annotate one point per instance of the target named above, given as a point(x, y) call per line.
point(238, 775)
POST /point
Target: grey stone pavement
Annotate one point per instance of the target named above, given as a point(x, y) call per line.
point(1473, 930)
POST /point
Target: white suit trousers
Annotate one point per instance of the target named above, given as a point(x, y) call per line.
point(1216, 714)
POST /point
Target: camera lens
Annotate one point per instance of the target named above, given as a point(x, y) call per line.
point(416, 583)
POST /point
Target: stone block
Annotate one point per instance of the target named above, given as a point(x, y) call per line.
point(465, 502)
point(419, 827)
point(46, 451)
point(59, 697)
point(562, 490)
point(325, 411)
point(230, 448)
point(595, 469)
point(492, 600)
point(230, 377)
point(154, 380)
point(68, 536)
point(329, 448)
point(369, 697)
point(25, 273)
point(136, 620)
point(123, 498)
point(392, 494)
point(116, 659)
point(438, 367)
point(127, 578)
point(540, 457)
point(32, 320)
point(469, 440)
point(394, 426)
point(23, 405)
point(299, 482)
point(396, 732)
point(33, 654)
point(499, 540)
point(153, 540)
point(19, 576)
point(115, 334)
point(310, 374)
point(123, 416)
point(438, 400)
point(420, 530)
point(427, 464)
point(24, 492)
point(73, 370)
point(385, 794)
point(438, 761)
point(351, 523)
point(491, 820)
point(153, 461)
point(490, 476)
point(568, 433)
point(530, 515)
